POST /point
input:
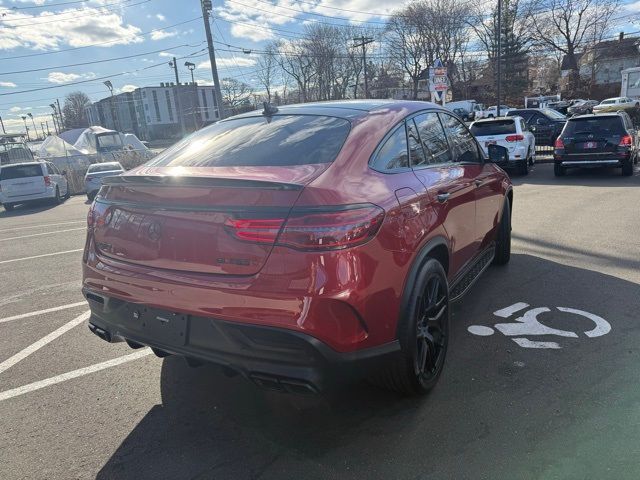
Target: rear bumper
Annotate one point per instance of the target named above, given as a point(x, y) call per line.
point(275, 358)
point(590, 163)
point(49, 193)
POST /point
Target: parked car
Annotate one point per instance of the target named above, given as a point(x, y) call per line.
point(581, 107)
point(545, 123)
point(96, 173)
point(22, 183)
point(615, 104)
point(492, 111)
point(474, 110)
point(300, 244)
point(463, 114)
point(511, 133)
point(560, 106)
point(604, 140)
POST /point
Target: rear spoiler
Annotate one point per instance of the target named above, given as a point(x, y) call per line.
point(184, 181)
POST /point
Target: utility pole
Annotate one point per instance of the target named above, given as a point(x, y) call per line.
point(55, 124)
point(46, 122)
point(174, 65)
point(206, 9)
point(2, 123)
point(24, 119)
point(499, 57)
point(364, 41)
point(61, 122)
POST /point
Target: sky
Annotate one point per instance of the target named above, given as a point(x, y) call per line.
point(47, 44)
point(54, 36)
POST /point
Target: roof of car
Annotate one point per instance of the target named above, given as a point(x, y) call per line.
point(597, 115)
point(21, 163)
point(345, 108)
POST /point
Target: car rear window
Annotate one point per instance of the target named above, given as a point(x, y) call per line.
point(280, 140)
point(104, 167)
point(497, 127)
point(20, 171)
point(594, 125)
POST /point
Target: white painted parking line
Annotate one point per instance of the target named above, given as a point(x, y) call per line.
point(40, 256)
point(34, 347)
point(41, 234)
point(508, 311)
point(42, 226)
point(42, 312)
point(15, 392)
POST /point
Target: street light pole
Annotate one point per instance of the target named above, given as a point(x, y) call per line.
point(192, 67)
point(30, 115)
point(114, 113)
point(24, 119)
point(499, 57)
point(2, 123)
point(173, 64)
point(60, 117)
point(46, 122)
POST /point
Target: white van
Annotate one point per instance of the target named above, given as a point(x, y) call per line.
point(27, 182)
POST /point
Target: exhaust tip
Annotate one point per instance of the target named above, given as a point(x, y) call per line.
point(288, 385)
point(103, 334)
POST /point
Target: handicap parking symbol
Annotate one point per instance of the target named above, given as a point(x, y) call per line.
point(528, 325)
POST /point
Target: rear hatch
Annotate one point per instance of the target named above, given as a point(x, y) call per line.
point(22, 180)
point(593, 137)
point(496, 132)
point(215, 202)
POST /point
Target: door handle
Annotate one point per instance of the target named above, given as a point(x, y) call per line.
point(443, 197)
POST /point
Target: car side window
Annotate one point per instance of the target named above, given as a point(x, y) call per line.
point(393, 155)
point(543, 120)
point(50, 170)
point(464, 146)
point(416, 153)
point(433, 139)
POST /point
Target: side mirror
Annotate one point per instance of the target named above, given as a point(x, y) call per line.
point(498, 154)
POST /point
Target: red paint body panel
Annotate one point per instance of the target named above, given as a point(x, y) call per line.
point(350, 299)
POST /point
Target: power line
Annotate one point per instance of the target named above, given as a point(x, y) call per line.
point(50, 52)
point(48, 5)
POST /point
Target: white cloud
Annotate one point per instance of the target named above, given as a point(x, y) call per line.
point(39, 31)
point(8, 84)
point(161, 34)
point(127, 88)
point(160, 17)
point(165, 54)
point(15, 109)
point(61, 77)
point(225, 62)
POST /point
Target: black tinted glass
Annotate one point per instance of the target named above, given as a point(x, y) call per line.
point(393, 154)
point(463, 144)
point(260, 141)
point(497, 127)
point(600, 126)
point(20, 171)
point(433, 138)
point(521, 113)
point(104, 167)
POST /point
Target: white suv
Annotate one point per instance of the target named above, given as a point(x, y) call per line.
point(511, 133)
point(26, 182)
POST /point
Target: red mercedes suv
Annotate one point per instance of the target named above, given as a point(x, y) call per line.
point(301, 244)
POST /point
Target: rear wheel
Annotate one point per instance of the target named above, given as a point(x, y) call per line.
point(57, 199)
point(523, 168)
point(423, 334)
point(67, 194)
point(559, 170)
point(91, 196)
point(8, 206)
point(503, 240)
point(627, 168)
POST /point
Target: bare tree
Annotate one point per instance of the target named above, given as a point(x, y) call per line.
point(567, 26)
point(267, 69)
point(74, 109)
point(235, 92)
point(294, 61)
point(406, 46)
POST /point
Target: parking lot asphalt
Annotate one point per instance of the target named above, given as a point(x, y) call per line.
point(541, 380)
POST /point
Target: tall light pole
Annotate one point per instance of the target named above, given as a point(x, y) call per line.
point(174, 64)
point(499, 57)
point(24, 119)
point(35, 130)
point(114, 113)
point(192, 67)
point(2, 123)
point(56, 120)
point(206, 9)
point(46, 122)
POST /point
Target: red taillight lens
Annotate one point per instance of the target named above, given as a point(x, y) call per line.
point(326, 230)
point(514, 138)
point(255, 230)
point(626, 141)
point(559, 143)
point(331, 230)
point(47, 181)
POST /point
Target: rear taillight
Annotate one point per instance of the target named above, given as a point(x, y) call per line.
point(331, 229)
point(626, 141)
point(47, 181)
point(514, 138)
point(558, 144)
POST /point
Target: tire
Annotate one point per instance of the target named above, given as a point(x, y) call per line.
point(67, 194)
point(523, 167)
point(423, 333)
point(503, 239)
point(8, 206)
point(559, 170)
point(57, 199)
point(627, 168)
point(91, 196)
